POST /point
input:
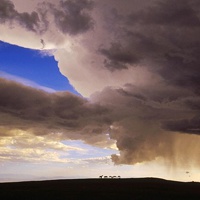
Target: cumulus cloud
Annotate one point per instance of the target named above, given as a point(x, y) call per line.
point(44, 24)
point(23, 146)
point(137, 62)
point(158, 37)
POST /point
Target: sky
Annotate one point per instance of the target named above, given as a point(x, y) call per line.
point(95, 87)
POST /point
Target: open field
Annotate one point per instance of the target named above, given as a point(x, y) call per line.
point(139, 188)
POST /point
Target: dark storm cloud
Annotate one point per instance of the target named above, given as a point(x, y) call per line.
point(72, 16)
point(29, 20)
point(147, 123)
point(164, 37)
point(7, 10)
point(193, 104)
point(169, 13)
point(27, 108)
point(133, 116)
point(117, 57)
point(191, 126)
point(8, 13)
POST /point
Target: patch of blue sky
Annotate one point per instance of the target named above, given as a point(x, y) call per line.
point(33, 66)
point(90, 151)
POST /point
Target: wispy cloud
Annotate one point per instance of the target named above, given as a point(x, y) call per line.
point(25, 82)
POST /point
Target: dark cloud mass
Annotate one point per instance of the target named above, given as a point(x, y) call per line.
point(141, 120)
point(158, 120)
point(163, 36)
point(9, 14)
point(117, 57)
point(70, 17)
point(26, 108)
point(185, 126)
point(169, 13)
point(146, 124)
point(7, 10)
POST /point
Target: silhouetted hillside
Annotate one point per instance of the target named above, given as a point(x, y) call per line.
point(139, 188)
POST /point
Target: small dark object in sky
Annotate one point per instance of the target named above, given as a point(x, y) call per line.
point(43, 44)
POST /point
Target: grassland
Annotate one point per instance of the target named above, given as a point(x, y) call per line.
point(139, 188)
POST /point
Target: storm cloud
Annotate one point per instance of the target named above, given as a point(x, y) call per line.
point(70, 17)
point(145, 126)
point(185, 126)
point(153, 123)
point(9, 14)
point(26, 108)
point(138, 65)
point(163, 37)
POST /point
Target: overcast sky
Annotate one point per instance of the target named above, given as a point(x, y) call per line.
point(123, 93)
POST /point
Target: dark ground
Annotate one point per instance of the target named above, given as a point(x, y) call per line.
point(139, 188)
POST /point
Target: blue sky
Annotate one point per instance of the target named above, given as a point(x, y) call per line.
point(33, 65)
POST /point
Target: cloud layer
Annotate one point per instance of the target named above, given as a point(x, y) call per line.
point(139, 64)
point(146, 126)
point(42, 113)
